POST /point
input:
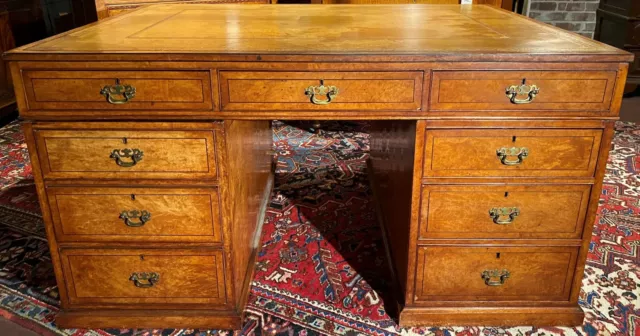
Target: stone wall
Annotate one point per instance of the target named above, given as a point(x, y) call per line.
point(577, 16)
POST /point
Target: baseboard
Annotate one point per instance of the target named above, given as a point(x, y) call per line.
point(493, 316)
point(148, 319)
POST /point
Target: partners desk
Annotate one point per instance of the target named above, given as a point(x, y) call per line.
point(149, 136)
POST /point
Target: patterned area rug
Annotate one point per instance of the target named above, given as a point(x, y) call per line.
point(322, 267)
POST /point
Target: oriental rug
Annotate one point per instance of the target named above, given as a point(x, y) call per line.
point(322, 268)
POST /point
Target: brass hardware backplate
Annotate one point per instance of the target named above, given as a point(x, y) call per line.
point(489, 277)
point(330, 92)
point(134, 154)
point(504, 153)
point(112, 92)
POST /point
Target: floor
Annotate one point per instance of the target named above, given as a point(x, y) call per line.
point(8, 328)
point(630, 111)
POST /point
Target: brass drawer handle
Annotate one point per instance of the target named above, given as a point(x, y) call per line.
point(329, 91)
point(127, 92)
point(129, 216)
point(498, 215)
point(489, 275)
point(520, 90)
point(504, 153)
point(128, 153)
point(144, 279)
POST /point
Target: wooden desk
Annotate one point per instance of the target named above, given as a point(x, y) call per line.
point(149, 135)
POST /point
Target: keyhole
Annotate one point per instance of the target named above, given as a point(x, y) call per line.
point(142, 257)
point(498, 255)
point(524, 80)
point(513, 138)
point(506, 194)
point(124, 141)
point(322, 82)
point(133, 197)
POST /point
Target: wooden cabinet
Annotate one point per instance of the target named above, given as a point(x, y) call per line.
point(618, 24)
point(489, 140)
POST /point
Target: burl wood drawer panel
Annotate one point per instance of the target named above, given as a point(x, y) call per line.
point(467, 273)
point(118, 90)
point(135, 214)
point(135, 278)
point(511, 152)
point(127, 154)
point(327, 91)
point(520, 211)
point(577, 91)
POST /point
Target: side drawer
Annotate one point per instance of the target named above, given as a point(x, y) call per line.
point(140, 278)
point(326, 91)
point(511, 211)
point(117, 90)
point(136, 214)
point(471, 273)
point(511, 152)
point(127, 154)
point(577, 91)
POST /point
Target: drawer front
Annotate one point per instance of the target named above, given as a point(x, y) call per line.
point(118, 90)
point(143, 276)
point(127, 154)
point(136, 214)
point(578, 91)
point(326, 91)
point(465, 273)
point(482, 211)
point(511, 152)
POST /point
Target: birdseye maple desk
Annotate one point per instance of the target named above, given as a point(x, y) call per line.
point(149, 137)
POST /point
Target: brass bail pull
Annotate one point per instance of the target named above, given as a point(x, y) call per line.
point(329, 92)
point(495, 277)
point(118, 93)
point(530, 91)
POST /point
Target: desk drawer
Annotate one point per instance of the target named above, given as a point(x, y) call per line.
point(126, 154)
point(118, 90)
point(136, 214)
point(487, 90)
point(466, 273)
point(485, 211)
point(511, 152)
point(136, 278)
point(325, 91)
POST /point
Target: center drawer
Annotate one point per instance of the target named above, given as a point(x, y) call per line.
point(135, 214)
point(326, 91)
point(127, 154)
point(136, 278)
point(505, 273)
point(511, 152)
